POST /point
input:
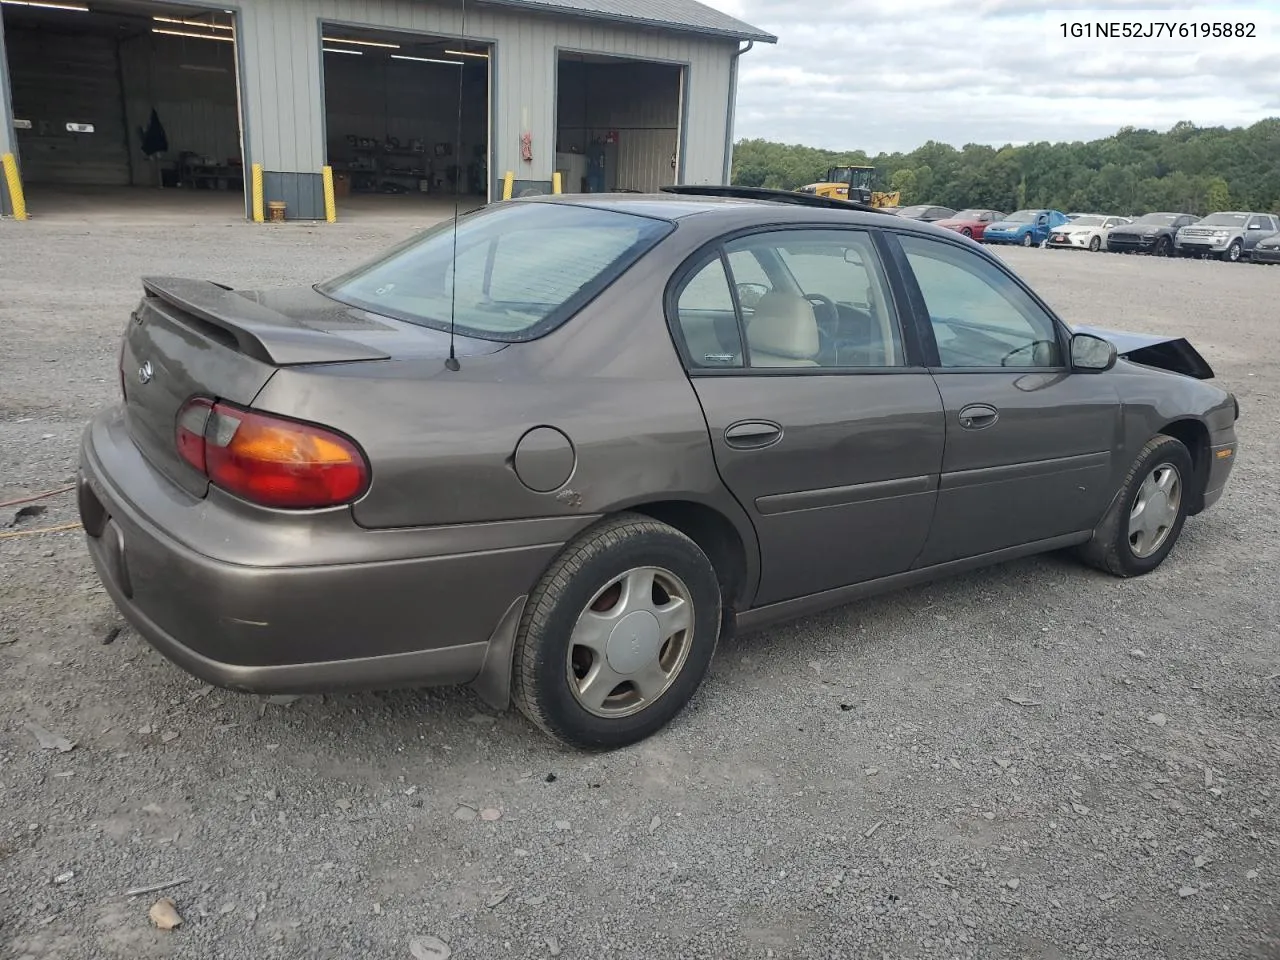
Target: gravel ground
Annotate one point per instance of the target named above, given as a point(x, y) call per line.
point(856, 784)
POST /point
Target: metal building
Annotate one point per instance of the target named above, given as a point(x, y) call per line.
point(329, 100)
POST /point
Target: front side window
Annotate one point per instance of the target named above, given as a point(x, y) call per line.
point(827, 302)
point(980, 317)
point(519, 271)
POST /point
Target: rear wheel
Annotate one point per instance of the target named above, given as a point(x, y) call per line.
point(1146, 518)
point(618, 634)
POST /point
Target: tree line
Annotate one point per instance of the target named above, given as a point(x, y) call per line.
point(1187, 169)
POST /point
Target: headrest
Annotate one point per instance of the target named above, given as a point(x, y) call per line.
point(784, 325)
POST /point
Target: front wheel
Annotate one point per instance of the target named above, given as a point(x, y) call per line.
point(1146, 518)
point(967, 232)
point(618, 634)
point(1233, 252)
point(1095, 244)
point(1164, 247)
point(1026, 240)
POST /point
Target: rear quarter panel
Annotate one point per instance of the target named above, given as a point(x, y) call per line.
point(441, 443)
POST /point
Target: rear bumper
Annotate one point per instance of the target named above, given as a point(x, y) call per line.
point(269, 602)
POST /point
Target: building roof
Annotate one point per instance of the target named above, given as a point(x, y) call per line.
point(684, 16)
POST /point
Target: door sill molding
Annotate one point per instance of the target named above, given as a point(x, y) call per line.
point(817, 602)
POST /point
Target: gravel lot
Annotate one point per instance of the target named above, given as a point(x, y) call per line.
point(857, 784)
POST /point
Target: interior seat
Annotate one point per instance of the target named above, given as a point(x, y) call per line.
point(783, 332)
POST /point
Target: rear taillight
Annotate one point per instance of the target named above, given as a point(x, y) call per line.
point(270, 460)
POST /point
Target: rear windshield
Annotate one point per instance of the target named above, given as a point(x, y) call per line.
point(521, 269)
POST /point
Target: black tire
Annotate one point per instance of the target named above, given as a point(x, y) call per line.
point(1110, 549)
point(1027, 241)
point(966, 232)
point(540, 683)
point(1095, 244)
point(1164, 247)
point(1233, 253)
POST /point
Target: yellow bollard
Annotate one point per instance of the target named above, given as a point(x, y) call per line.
point(259, 214)
point(330, 208)
point(555, 182)
point(11, 177)
point(507, 182)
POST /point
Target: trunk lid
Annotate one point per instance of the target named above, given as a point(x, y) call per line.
point(195, 338)
point(191, 338)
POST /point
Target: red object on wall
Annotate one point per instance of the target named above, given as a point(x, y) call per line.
point(611, 136)
point(526, 146)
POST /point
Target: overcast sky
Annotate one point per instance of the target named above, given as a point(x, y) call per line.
point(892, 74)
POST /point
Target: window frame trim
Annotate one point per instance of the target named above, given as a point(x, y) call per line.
point(924, 323)
point(913, 354)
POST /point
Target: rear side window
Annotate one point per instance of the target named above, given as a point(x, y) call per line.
point(708, 319)
point(520, 269)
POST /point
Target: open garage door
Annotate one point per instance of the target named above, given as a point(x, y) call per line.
point(125, 109)
point(392, 121)
point(618, 123)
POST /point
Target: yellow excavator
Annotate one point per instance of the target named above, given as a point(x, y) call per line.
point(852, 183)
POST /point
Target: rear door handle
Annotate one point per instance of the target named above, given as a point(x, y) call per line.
point(978, 415)
point(752, 434)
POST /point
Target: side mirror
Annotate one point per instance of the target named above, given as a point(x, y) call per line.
point(1090, 354)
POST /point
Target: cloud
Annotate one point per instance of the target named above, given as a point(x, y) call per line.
point(887, 75)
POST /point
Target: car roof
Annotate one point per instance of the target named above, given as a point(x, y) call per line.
point(775, 206)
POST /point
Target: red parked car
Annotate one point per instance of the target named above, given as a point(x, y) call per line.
point(971, 223)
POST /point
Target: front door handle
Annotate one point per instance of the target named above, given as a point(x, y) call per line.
point(752, 434)
point(978, 415)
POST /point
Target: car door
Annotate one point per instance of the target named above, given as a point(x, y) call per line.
point(825, 426)
point(1258, 228)
point(1040, 231)
point(1029, 444)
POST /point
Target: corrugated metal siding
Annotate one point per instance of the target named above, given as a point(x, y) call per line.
point(61, 78)
point(284, 111)
point(192, 85)
point(281, 46)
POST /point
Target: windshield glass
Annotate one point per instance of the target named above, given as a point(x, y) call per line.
point(521, 269)
point(1088, 221)
point(1158, 219)
point(969, 215)
point(1022, 216)
point(913, 211)
point(1223, 220)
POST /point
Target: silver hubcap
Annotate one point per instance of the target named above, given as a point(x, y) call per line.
point(1154, 510)
point(631, 642)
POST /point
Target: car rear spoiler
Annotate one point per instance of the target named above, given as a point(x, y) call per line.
point(1175, 354)
point(258, 331)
